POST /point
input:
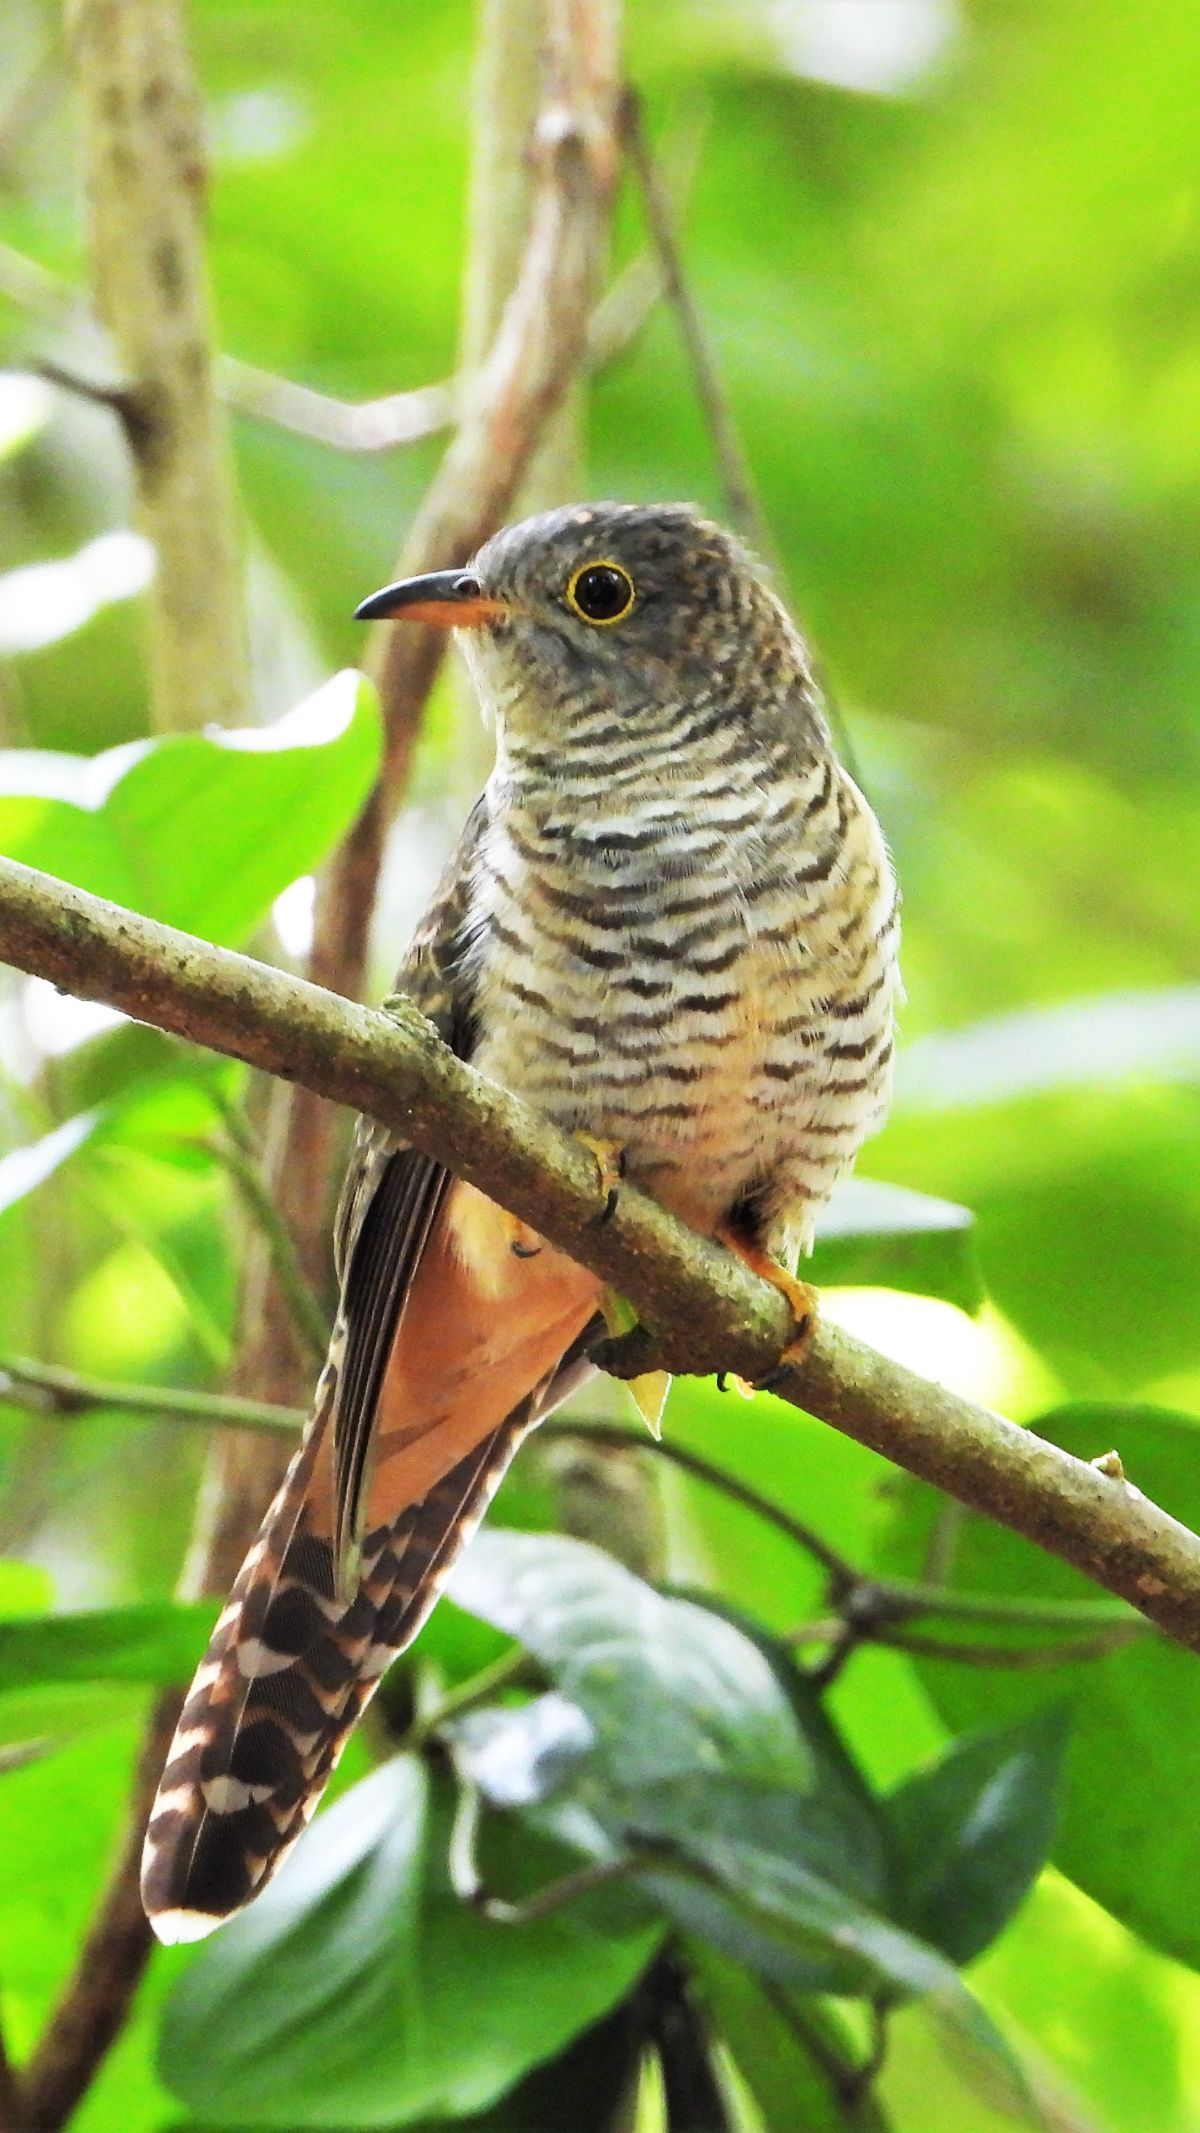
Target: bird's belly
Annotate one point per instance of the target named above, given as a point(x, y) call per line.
point(708, 1085)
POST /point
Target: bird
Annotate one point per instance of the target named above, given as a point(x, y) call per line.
point(670, 923)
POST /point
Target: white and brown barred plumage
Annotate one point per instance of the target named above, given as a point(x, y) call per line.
point(670, 923)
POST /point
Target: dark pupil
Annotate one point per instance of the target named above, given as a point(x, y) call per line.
point(602, 593)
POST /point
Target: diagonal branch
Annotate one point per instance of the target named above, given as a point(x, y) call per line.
point(701, 1308)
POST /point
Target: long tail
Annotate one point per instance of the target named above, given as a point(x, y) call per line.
point(290, 1668)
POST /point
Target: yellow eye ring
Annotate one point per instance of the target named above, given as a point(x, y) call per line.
point(600, 592)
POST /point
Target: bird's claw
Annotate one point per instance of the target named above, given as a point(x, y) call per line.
point(799, 1295)
point(610, 1169)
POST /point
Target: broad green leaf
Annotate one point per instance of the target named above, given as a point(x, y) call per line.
point(585, 2088)
point(1127, 1831)
point(761, 1867)
point(59, 1821)
point(842, 1792)
point(200, 831)
point(358, 1978)
point(668, 1687)
point(971, 1833)
point(158, 1642)
point(874, 1235)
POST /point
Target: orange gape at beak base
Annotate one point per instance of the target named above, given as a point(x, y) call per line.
point(450, 599)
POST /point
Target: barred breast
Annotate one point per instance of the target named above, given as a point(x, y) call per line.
point(699, 966)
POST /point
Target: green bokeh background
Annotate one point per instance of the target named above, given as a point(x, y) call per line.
point(954, 293)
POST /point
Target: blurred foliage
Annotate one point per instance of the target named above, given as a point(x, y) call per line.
point(949, 255)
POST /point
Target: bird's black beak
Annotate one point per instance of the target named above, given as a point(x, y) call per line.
point(452, 599)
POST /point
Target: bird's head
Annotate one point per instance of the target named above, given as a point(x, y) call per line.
point(628, 607)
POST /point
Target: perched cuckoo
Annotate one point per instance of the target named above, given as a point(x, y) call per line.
point(671, 923)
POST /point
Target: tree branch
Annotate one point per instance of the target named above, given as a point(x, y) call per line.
point(381, 424)
point(44, 1389)
point(145, 169)
point(700, 1308)
point(108, 1969)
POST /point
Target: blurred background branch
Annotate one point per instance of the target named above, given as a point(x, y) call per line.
point(145, 169)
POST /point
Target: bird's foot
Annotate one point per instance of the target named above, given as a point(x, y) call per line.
point(801, 1298)
point(523, 1242)
point(609, 1158)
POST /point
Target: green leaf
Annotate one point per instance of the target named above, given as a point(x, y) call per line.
point(200, 831)
point(59, 1821)
point(584, 2088)
point(694, 1746)
point(771, 1909)
point(971, 1833)
point(668, 1687)
point(791, 2054)
point(841, 1792)
point(22, 1170)
point(874, 1235)
point(1132, 1769)
point(158, 1642)
point(358, 1979)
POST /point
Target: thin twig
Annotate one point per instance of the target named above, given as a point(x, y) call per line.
point(857, 2082)
point(741, 501)
point(470, 1887)
point(308, 1318)
point(906, 1601)
point(700, 1309)
point(848, 1640)
point(382, 424)
point(1015, 1657)
point(379, 425)
point(44, 1389)
point(509, 1671)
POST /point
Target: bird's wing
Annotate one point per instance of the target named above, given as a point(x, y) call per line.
point(391, 1199)
point(446, 1350)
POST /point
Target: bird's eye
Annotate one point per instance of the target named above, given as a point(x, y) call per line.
point(601, 592)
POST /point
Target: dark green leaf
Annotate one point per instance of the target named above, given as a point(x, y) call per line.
point(158, 1642)
point(970, 1834)
point(668, 1687)
point(1132, 1767)
point(360, 1980)
point(793, 2057)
